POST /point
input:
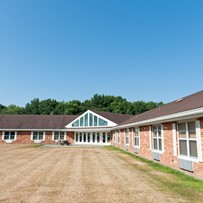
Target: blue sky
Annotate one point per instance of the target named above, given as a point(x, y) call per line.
point(72, 49)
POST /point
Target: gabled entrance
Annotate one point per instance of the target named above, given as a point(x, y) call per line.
point(91, 128)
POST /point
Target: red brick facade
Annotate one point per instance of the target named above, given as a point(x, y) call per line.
point(24, 137)
point(167, 157)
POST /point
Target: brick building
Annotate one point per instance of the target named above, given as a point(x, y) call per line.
point(171, 134)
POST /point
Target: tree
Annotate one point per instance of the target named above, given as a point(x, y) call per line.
point(97, 102)
point(48, 106)
point(32, 107)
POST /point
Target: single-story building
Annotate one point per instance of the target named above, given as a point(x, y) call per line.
point(171, 134)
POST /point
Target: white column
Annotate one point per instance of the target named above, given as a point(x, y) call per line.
point(82, 137)
point(199, 140)
point(91, 137)
point(150, 137)
point(106, 137)
point(101, 140)
point(174, 139)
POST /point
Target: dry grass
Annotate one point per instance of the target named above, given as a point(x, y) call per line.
point(62, 175)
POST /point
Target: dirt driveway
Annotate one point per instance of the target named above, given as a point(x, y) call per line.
point(74, 175)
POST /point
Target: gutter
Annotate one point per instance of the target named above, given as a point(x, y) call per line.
point(195, 113)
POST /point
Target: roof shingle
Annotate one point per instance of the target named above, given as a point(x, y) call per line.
point(187, 103)
point(35, 121)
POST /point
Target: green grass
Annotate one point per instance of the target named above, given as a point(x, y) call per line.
point(167, 178)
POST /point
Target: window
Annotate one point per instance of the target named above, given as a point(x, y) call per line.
point(59, 135)
point(86, 119)
point(104, 137)
point(98, 137)
point(102, 122)
point(127, 136)
point(108, 137)
point(37, 135)
point(114, 136)
point(93, 137)
point(75, 124)
point(89, 119)
point(9, 135)
point(95, 120)
point(119, 139)
point(76, 137)
point(187, 139)
point(81, 121)
point(136, 137)
point(157, 138)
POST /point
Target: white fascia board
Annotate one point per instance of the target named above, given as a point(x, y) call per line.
point(18, 129)
point(111, 124)
point(90, 130)
point(195, 113)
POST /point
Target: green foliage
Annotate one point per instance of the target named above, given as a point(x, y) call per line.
point(75, 107)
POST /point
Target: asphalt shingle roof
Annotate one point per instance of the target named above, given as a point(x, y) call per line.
point(187, 103)
point(35, 121)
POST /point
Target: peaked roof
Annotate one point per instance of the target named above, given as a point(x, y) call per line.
point(114, 117)
point(35, 121)
point(187, 103)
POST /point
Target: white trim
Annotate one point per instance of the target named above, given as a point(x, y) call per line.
point(53, 134)
point(47, 130)
point(157, 138)
point(89, 129)
point(32, 134)
point(132, 134)
point(110, 123)
point(199, 143)
point(174, 139)
point(9, 140)
point(119, 136)
point(138, 146)
point(194, 113)
point(187, 139)
point(126, 131)
point(188, 158)
point(162, 137)
point(150, 137)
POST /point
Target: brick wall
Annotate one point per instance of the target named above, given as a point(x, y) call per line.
point(24, 137)
point(167, 157)
point(70, 137)
point(48, 138)
point(144, 149)
point(1, 141)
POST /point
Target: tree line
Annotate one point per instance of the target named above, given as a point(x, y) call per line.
point(75, 107)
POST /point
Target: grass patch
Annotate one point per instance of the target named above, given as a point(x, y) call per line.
point(36, 145)
point(170, 179)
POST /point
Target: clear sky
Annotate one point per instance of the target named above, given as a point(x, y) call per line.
point(149, 50)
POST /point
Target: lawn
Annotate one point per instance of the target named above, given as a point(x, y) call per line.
point(39, 174)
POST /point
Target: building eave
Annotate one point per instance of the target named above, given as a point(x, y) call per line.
point(195, 113)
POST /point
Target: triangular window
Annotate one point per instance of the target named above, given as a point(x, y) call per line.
point(89, 120)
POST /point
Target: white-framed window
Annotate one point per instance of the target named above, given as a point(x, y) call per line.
point(136, 137)
point(58, 135)
point(89, 120)
point(157, 137)
point(127, 140)
point(9, 135)
point(114, 136)
point(187, 139)
point(119, 136)
point(38, 135)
